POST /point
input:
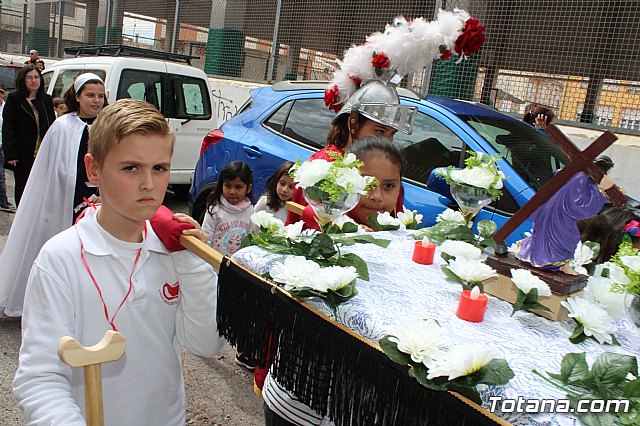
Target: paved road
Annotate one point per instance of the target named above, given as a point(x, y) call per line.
point(218, 391)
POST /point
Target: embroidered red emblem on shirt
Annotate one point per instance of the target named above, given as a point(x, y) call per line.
point(171, 292)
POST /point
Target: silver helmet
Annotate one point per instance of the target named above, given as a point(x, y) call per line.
point(379, 101)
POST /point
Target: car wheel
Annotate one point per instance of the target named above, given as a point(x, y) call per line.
point(181, 191)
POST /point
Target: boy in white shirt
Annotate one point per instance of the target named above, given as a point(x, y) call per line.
point(111, 271)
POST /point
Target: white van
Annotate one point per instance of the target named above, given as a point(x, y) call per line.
point(181, 92)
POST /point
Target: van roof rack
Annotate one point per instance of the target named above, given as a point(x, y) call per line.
point(122, 50)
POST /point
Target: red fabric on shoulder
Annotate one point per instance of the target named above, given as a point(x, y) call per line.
point(168, 229)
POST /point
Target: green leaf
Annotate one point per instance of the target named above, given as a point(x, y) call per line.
point(486, 228)
point(453, 277)
point(611, 368)
point(469, 392)
point(420, 373)
point(537, 307)
point(632, 389)
point(517, 305)
point(447, 257)
point(578, 335)
point(362, 239)
point(352, 259)
point(574, 368)
point(349, 227)
point(391, 350)
point(497, 372)
point(447, 230)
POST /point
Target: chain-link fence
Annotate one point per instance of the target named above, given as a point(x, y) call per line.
point(577, 57)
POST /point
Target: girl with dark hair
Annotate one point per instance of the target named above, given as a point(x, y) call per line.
point(229, 208)
point(55, 192)
point(279, 190)
point(28, 114)
point(608, 229)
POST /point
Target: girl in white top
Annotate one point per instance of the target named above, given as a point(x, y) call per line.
point(279, 190)
point(229, 208)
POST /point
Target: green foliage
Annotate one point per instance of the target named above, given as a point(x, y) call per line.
point(477, 159)
point(450, 230)
point(528, 301)
point(612, 377)
point(626, 249)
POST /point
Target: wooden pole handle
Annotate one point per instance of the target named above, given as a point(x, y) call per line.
point(72, 353)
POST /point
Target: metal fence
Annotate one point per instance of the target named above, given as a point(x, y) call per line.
point(577, 57)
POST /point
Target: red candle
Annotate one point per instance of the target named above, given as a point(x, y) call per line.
point(471, 309)
point(423, 253)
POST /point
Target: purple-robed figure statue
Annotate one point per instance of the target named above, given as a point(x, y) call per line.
point(555, 233)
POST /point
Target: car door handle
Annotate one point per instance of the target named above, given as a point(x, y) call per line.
point(252, 151)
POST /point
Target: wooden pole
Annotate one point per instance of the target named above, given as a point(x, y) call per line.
point(72, 353)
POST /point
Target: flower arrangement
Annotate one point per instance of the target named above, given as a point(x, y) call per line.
point(409, 219)
point(596, 310)
point(424, 347)
point(463, 265)
point(404, 48)
point(625, 268)
point(481, 171)
point(452, 225)
point(530, 288)
point(612, 377)
point(340, 176)
point(583, 257)
point(316, 266)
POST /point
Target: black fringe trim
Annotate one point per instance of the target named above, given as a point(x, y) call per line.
point(329, 370)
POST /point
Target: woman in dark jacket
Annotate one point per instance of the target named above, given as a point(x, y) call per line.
point(28, 113)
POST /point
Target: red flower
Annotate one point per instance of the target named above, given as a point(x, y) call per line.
point(332, 98)
point(379, 62)
point(356, 80)
point(445, 53)
point(471, 39)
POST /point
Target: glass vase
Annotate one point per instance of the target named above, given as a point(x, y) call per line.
point(470, 199)
point(327, 209)
point(633, 309)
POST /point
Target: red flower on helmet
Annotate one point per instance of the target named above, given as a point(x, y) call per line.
point(356, 80)
point(471, 39)
point(332, 98)
point(445, 53)
point(380, 62)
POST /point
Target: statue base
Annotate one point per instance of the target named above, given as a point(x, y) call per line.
point(562, 285)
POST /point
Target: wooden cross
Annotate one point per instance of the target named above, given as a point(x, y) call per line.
point(580, 161)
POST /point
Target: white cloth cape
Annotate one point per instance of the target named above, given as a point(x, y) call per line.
point(46, 208)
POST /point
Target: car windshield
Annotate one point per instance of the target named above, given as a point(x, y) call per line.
point(532, 153)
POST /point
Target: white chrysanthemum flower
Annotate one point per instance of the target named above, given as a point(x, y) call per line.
point(616, 273)
point(421, 339)
point(595, 320)
point(386, 219)
point(334, 278)
point(479, 177)
point(408, 217)
point(295, 272)
point(460, 249)
point(340, 221)
point(471, 271)
point(461, 361)
point(450, 216)
point(526, 281)
point(351, 180)
point(631, 262)
point(266, 220)
point(598, 289)
point(311, 172)
point(350, 158)
point(292, 230)
point(581, 256)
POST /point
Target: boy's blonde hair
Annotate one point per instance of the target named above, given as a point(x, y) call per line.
point(121, 119)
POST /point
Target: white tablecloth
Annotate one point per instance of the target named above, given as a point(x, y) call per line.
point(399, 289)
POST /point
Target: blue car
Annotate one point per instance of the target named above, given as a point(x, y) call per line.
point(289, 121)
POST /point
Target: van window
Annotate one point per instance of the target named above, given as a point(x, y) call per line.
point(277, 119)
point(142, 85)
point(190, 98)
point(67, 77)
